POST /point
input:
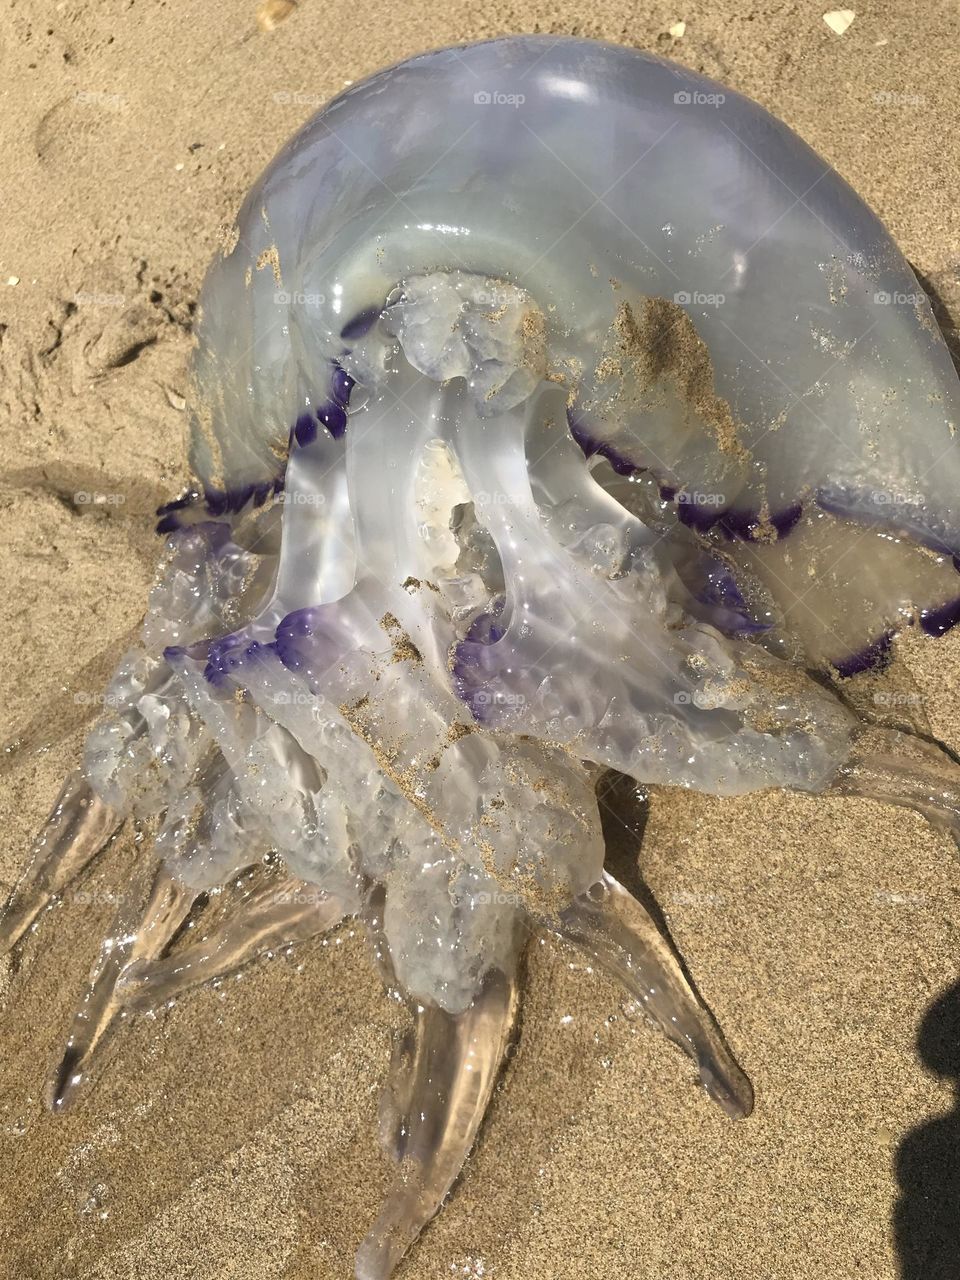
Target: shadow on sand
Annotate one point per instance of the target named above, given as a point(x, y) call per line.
point(926, 1219)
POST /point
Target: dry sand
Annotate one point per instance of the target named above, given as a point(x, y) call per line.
point(235, 1135)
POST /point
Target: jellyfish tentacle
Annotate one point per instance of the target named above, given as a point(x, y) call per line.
point(278, 914)
point(890, 771)
point(79, 826)
point(440, 1089)
point(623, 938)
point(139, 932)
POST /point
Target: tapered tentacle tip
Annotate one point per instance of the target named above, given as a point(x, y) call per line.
point(727, 1085)
point(896, 768)
point(139, 932)
point(85, 1053)
point(78, 826)
point(441, 1081)
point(371, 1262)
point(617, 931)
point(67, 1078)
point(385, 1244)
point(11, 927)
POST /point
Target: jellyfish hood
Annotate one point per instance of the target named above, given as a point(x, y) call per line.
point(715, 310)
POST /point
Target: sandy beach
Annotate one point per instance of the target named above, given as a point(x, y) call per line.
point(234, 1135)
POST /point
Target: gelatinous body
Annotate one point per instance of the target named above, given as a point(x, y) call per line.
point(556, 411)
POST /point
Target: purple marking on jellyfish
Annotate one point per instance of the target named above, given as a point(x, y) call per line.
point(872, 657)
point(334, 418)
point(172, 513)
point(290, 634)
point(787, 520)
point(198, 652)
point(592, 447)
point(215, 502)
point(330, 413)
point(474, 661)
point(701, 517)
point(224, 656)
point(748, 526)
point(361, 323)
point(341, 384)
point(178, 504)
point(224, 502)
point(221, 657)
point(259, 649)
point(486, 628)
point(725, 606)
point(738, 524)
point(937, 622)
point(742, 526)
point(720, 586)
point(333, 414)
point(305, 429)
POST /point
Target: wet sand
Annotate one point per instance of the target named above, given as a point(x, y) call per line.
point(234, 1135)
